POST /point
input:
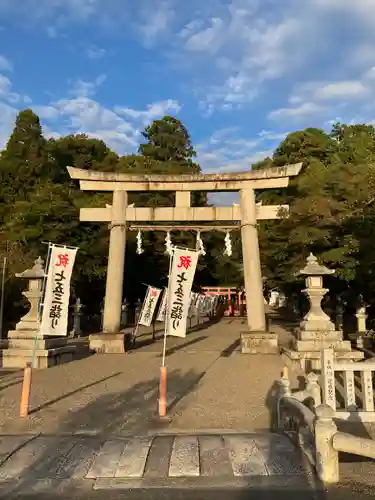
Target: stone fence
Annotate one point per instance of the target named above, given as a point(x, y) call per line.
point(310, 424)
point(354, 381)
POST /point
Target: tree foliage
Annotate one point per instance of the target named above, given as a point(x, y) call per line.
point(332, 208)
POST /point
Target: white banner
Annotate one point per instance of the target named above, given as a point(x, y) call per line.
point(163, 306)
point(57, 293)
point(149, 306)
point(200, 304)
point(184, 263)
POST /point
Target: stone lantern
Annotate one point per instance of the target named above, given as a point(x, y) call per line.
point(26, 343)
point(36, 274)
point(316, 319)
point(316, 331)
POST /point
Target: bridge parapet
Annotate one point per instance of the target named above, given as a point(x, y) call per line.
point(312, 427)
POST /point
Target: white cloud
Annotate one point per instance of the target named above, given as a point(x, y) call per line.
point(227, 151)
point(95, 53)
point(5, 64)
point(80, 113)
point(320, 99)
point(246, 48)
point(6, 90)
point(155, 21)
point(84, 88)
point(7, 117)
point(46, 112)
point(52, 31)
point(272, 136)
point(45, 9)
point(305, 110)
point(208, 39)
point(153, 111)
point(342, 90)
point(329, 91)
point(362, 8)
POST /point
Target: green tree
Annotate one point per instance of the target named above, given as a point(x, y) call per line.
point(25, 159)
point(168, 140)
point(327, 202)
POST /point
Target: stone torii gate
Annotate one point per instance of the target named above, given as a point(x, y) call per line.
point(243, 216)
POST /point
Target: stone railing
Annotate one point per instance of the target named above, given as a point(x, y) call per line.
point(357, 390)
point(315, 432)
point(296, 420)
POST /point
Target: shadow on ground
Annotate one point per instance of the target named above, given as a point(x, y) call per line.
point(131, 412)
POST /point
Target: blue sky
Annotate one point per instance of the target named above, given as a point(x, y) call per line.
point(240, 74)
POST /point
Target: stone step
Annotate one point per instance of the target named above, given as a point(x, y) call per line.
point(150, 461)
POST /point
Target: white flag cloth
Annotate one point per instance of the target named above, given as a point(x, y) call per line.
point(149, 306)
point(163, 306)
point(200, 303)
point(56, 298)
point(184, 263)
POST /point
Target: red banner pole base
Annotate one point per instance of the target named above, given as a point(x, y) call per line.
point(163, 392)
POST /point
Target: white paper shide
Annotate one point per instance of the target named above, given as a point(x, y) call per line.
point(184, 263)
point(57, 293)
point(149, 306)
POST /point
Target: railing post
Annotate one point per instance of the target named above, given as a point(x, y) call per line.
point(77, 314)
point(138, 308)
point(327, 459)
point(124, 313)
point(285, 390)
point(313, 388)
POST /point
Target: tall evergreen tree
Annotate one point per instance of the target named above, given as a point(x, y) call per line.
point(168, 140)
point(24, 161)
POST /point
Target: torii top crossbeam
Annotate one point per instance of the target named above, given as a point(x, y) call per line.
point(275, 177)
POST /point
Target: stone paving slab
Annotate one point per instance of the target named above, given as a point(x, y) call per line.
point(161, 461)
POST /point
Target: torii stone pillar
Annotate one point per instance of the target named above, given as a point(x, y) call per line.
point(257, 339)
point(251, 262)
point(116, 261)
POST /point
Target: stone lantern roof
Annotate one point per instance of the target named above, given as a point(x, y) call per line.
point(35, 272)
point(313, 268)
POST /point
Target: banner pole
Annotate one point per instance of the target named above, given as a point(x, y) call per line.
point(2, 298)
point(140, 314)
point(27, 374)
point(163, 368)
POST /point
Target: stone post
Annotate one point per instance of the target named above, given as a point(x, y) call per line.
point(313, 388)
point(138, 309)
point(256, 318)
point(124, 313)
point(327, 459)
point(339, 314)
point(284, 385)
point(361, 316)
point(116, 261)
point(77, 314)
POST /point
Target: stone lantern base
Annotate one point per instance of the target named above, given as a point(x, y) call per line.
point(49, 351)
point(259, 343)
point(306, 350)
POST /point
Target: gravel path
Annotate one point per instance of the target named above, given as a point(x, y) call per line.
point(210, 386)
